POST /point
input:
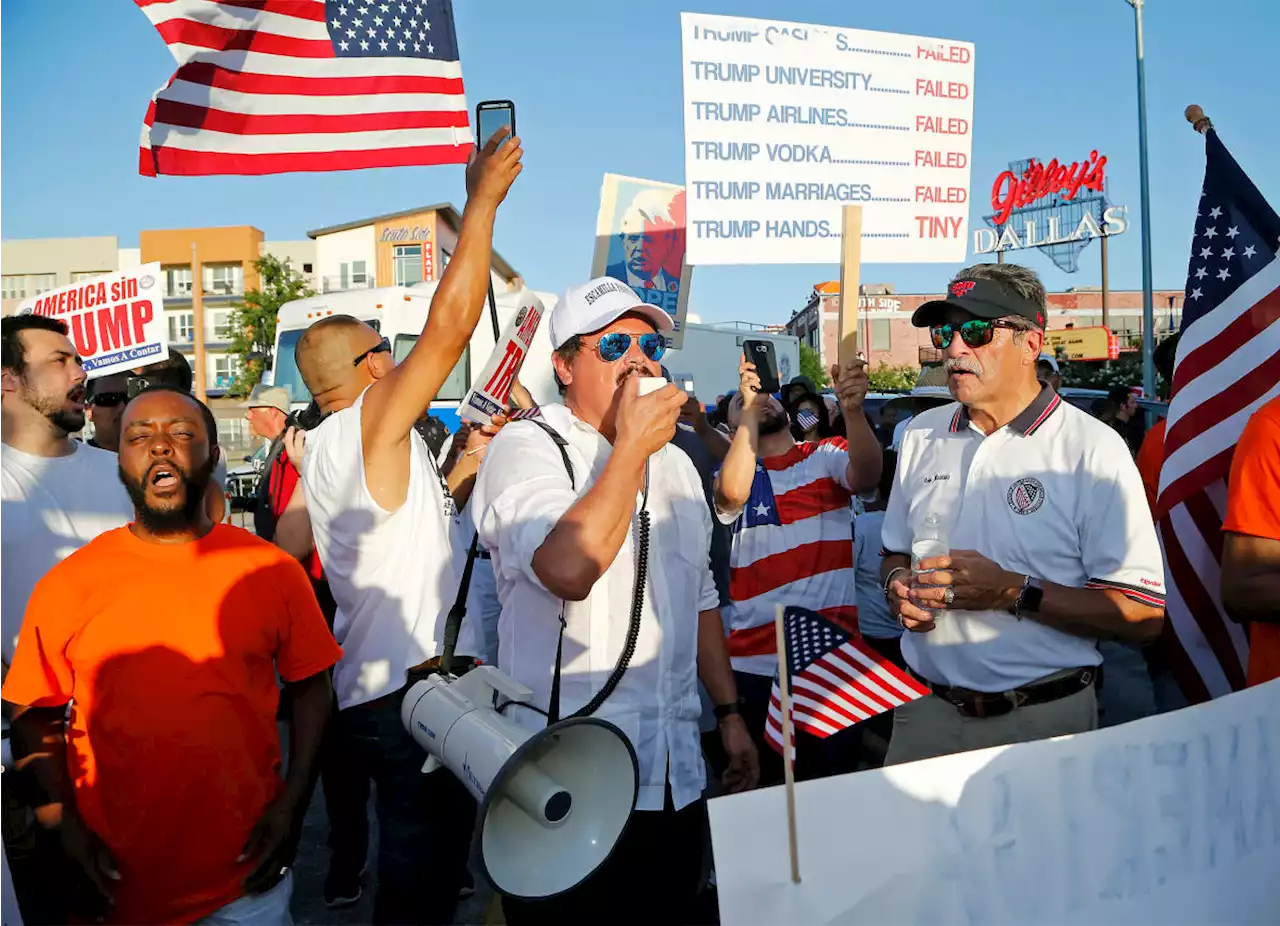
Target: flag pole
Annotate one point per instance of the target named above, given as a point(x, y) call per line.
point(788, 736)
point(197, 322)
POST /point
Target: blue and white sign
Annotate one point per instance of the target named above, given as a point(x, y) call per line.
point(786, 123)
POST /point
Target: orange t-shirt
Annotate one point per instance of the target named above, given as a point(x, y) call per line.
point(1253, 508)
point(170, 653)
point(1150, 459)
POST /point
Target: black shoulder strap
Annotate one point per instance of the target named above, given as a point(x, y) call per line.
point(562, 445)
point(553, 705)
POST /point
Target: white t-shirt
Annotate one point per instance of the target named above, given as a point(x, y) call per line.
point(392, 573)
point(52, 506)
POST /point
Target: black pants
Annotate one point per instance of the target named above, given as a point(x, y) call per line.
point(816, 757)
point(424, 821)
point(344, 778)
point(652, 877)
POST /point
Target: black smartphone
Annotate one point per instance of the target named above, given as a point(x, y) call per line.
point(761, 354)
point(492, 115)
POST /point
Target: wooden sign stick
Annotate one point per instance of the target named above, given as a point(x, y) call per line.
point(788, 739)
point(850, 268)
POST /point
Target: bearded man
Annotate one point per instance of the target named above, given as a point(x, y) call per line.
point(166, 637)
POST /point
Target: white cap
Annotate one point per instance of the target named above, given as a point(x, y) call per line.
point(1052, 361)
point(591, 306)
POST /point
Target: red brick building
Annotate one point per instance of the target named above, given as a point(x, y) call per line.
point(887, 336)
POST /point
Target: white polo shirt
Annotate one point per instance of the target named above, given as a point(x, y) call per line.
point(1054, 494)
point(522, 490)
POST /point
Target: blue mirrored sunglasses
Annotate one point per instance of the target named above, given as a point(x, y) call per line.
point(613, 347)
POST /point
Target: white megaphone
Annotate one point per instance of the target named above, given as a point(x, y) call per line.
point(553, 802)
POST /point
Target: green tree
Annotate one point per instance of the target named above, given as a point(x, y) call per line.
point(1103, 374)
point(253, 321)
point(885, 378)
point(811, 366)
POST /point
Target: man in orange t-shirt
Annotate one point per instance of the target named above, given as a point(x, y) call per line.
point(1251, 541)
point(166, 637)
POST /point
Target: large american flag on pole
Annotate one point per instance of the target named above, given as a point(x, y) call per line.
point(1228, 365)
point(269, 86)
point(836, 679)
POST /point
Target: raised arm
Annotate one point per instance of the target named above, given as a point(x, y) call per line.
point(587, 537)
point(395, 402)
point(865, 455)
point(733, 484)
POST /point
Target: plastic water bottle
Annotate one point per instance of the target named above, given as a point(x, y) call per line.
point(930, 541)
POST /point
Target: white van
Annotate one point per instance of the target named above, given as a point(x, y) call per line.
point(399, 314)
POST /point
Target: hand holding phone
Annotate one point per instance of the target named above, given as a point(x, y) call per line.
point(761, 354)
point(492, 115)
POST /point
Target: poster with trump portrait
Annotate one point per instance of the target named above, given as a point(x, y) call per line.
point(640, 240)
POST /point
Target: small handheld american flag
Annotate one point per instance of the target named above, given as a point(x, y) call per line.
point(836, 679)
point(269, 86)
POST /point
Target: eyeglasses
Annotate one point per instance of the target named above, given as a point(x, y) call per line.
point(613, 347)
point(382, 347)
point(975, 333)
point(108, 399)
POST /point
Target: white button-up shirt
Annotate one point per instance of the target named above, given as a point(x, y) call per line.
point(521, 492)
point(1053, 494)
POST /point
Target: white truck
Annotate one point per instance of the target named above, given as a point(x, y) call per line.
point(709, 357)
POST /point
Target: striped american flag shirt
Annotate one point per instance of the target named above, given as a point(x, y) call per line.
point(792, 545)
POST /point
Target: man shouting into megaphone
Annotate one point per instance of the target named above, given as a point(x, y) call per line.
point(600, 535)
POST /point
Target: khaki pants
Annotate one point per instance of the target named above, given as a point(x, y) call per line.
point(929, 726)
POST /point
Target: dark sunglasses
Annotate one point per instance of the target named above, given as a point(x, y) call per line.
point(976, 332)
point(108, 399)
point(613, 347)
point(382, 347)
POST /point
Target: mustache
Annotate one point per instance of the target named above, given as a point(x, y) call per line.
point(629, 369)
point(963, 365)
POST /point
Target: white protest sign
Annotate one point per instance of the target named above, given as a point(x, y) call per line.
point(491, 390)
point(1171, 819)
point(785, 123)
point(115, 321)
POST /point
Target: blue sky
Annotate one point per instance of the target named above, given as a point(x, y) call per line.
point(598, 89)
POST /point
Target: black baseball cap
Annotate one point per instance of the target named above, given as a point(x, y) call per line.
point(981, 299)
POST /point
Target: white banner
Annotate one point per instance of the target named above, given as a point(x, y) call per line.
point(491, 390)
point(115, 321)
point(786, 123)
point(1172, 819)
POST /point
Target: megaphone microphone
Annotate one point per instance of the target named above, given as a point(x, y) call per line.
point(553, 802)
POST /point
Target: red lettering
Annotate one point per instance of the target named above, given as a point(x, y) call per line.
point(131, 289)
point(84, 334)
point(938, 226)
point(499, 386)
point(113, 326)
point(1038, 181)
point(530, 325)
point(142, 312)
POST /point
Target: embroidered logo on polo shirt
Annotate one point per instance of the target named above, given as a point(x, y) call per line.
point(1026, 495)
point(936, 477)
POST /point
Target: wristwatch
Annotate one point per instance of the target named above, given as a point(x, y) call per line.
point(1029, 598)
point(725, 711)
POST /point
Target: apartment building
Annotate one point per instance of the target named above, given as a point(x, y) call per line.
point(395, 249)
point(31, 266)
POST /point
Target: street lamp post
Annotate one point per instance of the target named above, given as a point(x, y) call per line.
point(1148, 310)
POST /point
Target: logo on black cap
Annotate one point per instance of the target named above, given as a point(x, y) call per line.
point(962, 288)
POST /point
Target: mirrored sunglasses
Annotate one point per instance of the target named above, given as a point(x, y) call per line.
point(976, 332)
point(613, 347)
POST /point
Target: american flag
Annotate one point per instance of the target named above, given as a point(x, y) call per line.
point(836, 679)
point(269, 86)
point(1228, 365)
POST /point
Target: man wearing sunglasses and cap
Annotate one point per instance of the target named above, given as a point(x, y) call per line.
point(567, 513)
point(1052, 546)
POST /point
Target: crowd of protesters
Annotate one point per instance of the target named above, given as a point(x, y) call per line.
point(151, 650)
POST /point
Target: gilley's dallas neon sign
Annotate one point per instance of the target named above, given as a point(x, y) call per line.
point(1013, 192)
